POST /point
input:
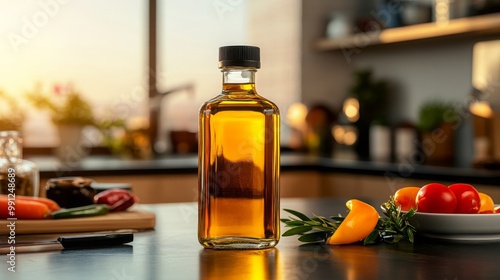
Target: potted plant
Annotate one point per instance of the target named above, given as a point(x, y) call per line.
point(69, 113)
point(11, 115)
point(435, 123)
point(373, 98)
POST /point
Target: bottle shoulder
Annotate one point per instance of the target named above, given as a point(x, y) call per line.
point(234, 101)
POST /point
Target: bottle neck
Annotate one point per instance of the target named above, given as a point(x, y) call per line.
point(238, 79)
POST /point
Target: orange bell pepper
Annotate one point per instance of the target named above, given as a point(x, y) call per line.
point(357, 225)
point(486, 204)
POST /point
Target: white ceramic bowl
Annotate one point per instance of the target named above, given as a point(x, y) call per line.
point(458, 227)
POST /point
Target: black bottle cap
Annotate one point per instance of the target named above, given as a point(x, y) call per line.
point(245, 56)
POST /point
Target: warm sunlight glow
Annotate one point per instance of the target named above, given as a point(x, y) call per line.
point(350, 138)
point(296, 115)
point(338, 133)
point(344, 134)
point(351, 109)
point(481, 109)
point(97, 46)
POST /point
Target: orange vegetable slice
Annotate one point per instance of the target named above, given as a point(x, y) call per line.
point(406, 197)
point(53, 206)
point(486, 205)
point(23, 209)
point(357, 225)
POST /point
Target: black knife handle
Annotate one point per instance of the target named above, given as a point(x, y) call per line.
point(95, 240)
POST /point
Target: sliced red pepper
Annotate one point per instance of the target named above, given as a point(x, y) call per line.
point(116, 199)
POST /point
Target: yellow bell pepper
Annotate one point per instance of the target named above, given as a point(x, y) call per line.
point(357, 225)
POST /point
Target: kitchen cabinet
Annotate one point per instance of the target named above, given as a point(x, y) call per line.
point(294, 184)
point(176, 179)
point(380, 187)
point(152, 188)
point(365, 186)
point(184, 187)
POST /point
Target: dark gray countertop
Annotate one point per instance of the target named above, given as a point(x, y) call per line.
point(112, 166)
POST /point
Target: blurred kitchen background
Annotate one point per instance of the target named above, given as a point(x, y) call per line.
point(383, 80)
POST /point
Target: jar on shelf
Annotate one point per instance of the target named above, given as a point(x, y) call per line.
point(17, 175)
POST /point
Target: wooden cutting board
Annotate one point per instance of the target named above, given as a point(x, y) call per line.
point(131, 219)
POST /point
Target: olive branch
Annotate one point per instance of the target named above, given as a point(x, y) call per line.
point(392, 228)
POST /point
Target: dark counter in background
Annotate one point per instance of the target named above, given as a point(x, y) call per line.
point(112, 166)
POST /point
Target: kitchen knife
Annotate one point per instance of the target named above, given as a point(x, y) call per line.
point(97, 240)
point(78, 242)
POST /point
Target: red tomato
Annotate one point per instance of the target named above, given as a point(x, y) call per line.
point(406, 197)
point(468, 200)
point(436, 198)
point(497, 209)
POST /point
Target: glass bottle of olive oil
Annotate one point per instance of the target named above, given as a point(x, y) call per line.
point(17, 175)
point(239, 159)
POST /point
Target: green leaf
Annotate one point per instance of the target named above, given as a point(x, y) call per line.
point(295, 223)
point(312, 223)
point(298, 214)
point(387, 232)
point(317, 219)
point(297, 230)
point(319, 236)
point(397, 238)
point(372, 238)
point(410, 234)
point(337, 218)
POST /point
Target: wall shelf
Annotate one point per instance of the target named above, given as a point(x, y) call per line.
point(464, 27)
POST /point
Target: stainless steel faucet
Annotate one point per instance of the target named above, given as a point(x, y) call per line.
point(155, 111)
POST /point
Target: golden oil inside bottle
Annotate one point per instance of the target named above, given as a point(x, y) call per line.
point(239, 170)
